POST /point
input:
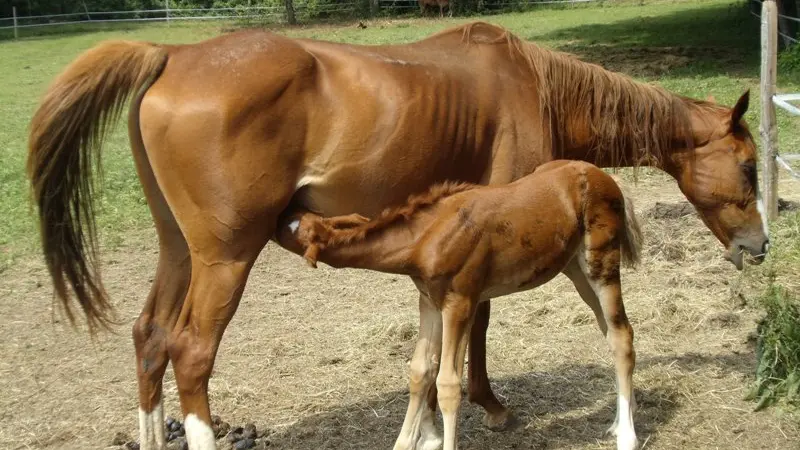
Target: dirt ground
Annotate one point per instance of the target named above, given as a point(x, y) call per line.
point(319, 357)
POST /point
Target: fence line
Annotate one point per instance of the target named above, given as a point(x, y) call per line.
point(243, 12)
point(782, 16)
point(769, 100)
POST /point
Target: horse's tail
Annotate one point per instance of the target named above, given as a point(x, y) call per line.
point(66, 133)
point(631, 241)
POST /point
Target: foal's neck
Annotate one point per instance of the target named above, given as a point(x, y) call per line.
point(387, 250)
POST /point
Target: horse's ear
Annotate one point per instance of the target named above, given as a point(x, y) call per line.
point(740, 108)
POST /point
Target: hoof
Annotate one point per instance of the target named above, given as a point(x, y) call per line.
point(500, 422)
point(628, 442)
point(431, 443)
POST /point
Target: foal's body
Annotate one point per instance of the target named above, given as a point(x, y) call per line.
point(464, 244)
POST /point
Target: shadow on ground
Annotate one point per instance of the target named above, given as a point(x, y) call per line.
point(706, 41)
point(567, 407)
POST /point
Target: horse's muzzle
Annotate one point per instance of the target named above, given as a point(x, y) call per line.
point(753, 254)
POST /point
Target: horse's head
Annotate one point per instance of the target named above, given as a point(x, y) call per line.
point(720, 178)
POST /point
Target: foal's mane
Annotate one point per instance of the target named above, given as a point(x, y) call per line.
point(393, 215)
point(623, 117)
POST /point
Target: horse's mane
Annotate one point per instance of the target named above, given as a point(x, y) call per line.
point(392, 215)
point(618, 112)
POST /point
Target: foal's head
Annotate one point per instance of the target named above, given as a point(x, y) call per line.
point(719, 177)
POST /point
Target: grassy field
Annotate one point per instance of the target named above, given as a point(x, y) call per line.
point(697, 49)
point(698, 362)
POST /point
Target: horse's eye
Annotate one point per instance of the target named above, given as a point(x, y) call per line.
point(750, 173)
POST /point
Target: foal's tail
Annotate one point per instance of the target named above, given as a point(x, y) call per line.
point(66, 133)
point(631, 241)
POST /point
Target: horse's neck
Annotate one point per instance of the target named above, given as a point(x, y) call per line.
point(384, 250)
point(622, 123)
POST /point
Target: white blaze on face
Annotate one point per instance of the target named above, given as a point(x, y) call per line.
point(294, 225)
point(763, 212)
point(151, 429)
point(199, 434)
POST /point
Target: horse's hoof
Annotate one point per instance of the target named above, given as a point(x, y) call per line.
point(431, 443)
point(627, 442)
point(500, 422)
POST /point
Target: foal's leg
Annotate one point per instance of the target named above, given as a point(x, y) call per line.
point(574, 272)
point(457, 317)
point(419, 431)
point(601, 268)
point(497, 416)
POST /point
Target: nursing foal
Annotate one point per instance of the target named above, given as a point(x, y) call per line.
point(463, 244)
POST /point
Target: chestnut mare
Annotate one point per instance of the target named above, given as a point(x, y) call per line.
point(226, 132)
point(463, 244)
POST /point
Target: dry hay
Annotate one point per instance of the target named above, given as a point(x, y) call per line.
point(319, 357)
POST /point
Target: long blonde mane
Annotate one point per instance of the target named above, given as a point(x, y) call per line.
point(629, 123)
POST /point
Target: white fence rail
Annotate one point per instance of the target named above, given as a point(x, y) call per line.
point(279, 11)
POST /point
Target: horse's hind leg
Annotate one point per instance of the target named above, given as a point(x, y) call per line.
point(150, 332)
point(600, 264)
point(574, 272)
point(163, 303)
point(497, 416)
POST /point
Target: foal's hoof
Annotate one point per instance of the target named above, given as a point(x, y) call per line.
point(500, 422)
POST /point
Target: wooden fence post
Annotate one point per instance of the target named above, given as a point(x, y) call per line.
point(768, 127)
point(14, 13)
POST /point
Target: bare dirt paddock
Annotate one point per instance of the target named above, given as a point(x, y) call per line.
point(318, 358)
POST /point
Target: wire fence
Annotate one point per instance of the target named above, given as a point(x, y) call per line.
point(782, 33)
point(283, 12)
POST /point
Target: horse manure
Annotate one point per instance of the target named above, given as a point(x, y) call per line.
point(235, 435)
point(175, 426)
point(249, 431)
point(120, 439)
point(178, 444)
point(244, 444)
point(170, 420)
point(132, 446)
point(216, 420)
point(221, 430)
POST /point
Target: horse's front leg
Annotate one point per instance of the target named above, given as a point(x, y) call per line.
point(419, 431)
point(497, 416)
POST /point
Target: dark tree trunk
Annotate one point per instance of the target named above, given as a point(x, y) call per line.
point(290, 12)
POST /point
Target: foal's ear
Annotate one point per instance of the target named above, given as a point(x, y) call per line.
point(711, 99)
point(739, 109)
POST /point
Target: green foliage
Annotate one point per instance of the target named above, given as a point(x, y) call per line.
point(778, 349)
point(789, 59)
